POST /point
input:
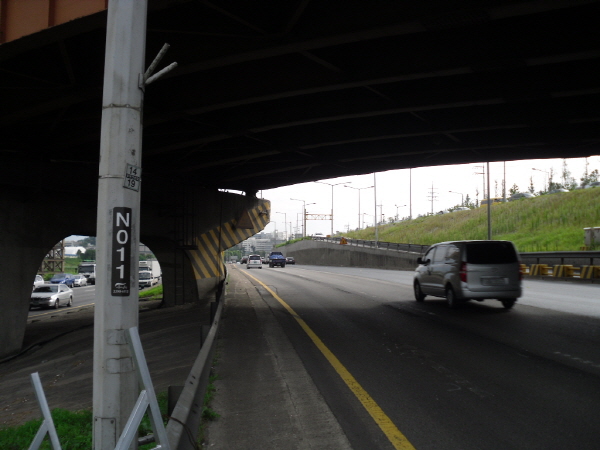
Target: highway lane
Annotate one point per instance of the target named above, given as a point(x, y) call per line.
point(82, 296)
point(477, 377)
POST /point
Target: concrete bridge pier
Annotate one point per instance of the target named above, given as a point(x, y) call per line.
point(187, 233)
point(31, 225)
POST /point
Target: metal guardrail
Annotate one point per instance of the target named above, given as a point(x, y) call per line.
point(561, 258)
point(413, 248)
point(187, 414)
point(555, 258)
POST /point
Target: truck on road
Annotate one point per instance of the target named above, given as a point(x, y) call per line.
point(149, 273)
point(276, 259)
point(88, 270)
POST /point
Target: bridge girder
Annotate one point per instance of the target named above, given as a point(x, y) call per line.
point(286, 92)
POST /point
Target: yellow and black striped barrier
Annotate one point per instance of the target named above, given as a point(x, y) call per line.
point(588, 272)
point(207, 260)
point(564, 270)
point(539, 270)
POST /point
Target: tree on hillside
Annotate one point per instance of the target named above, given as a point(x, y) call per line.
point(589, 177)
point(551, 183)
point(514, 189)
point(568, 182)
point(90, 255)
point(531, 188)
point(469, 203)
point(91, 240)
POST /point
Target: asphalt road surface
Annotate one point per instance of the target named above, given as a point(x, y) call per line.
point(478, 377)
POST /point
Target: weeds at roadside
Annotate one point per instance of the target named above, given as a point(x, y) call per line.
point(74, 430)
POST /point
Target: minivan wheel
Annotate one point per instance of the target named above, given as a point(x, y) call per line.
point(451, 297)
point(508, 302)
point(419, 296)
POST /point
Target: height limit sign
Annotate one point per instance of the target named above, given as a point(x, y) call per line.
point(133, 178)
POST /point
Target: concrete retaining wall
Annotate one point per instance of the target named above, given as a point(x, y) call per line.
point(328, 254)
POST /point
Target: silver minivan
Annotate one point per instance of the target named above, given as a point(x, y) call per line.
point(469, 270)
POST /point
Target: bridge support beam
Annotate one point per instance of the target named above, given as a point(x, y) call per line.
point(30, 227)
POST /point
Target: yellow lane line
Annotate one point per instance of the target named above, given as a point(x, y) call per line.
point(398, 440)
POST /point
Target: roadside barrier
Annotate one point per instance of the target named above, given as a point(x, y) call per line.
point(588, 272)
point(539, 270)
point(564, 270)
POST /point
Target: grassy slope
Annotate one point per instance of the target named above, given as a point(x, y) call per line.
point(546, 223)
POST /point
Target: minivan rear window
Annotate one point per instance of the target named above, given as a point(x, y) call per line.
point(491, 253)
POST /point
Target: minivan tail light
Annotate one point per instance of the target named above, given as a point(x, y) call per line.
point(463, 272)
point(521, 271)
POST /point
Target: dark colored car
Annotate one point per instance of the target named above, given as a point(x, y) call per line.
point(276, 259)
point(290, 260)
point(63, 278)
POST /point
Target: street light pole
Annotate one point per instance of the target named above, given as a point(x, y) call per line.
point(375, 198)
point(332, 185)
point(284, 223)
point(462, 202)
point(303, 215)
point(358, 189)
point(547, 177)
point(398, 206)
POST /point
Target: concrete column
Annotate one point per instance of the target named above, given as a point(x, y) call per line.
point(117, 238)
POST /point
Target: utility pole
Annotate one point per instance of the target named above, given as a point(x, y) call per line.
point(410, 192)
point(489, 210)
point(375, 216)
point(482, 173)
point(432, 197)
point(115, 387)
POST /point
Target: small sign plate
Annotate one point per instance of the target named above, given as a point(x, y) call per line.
point(121, 252)
point(133, 178)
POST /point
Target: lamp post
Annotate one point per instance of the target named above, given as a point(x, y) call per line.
point(462, 202)
point(303, 215)
point(398, 206)
point(284, 224)
point(547, 176)
point(358, 189)
point(332, 185)
point(375, 201)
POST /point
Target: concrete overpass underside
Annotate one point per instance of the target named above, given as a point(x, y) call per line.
point(274, 93)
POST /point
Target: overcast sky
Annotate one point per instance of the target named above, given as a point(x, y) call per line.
point(449, 185)
point(393, 192)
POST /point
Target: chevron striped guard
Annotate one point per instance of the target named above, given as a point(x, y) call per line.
point(207, 261)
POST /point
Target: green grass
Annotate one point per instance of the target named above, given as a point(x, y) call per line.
point(150, 294)
point(74, 430)
point(546, 223)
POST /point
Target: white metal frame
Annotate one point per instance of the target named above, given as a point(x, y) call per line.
point(147, 399)
point(47, 426)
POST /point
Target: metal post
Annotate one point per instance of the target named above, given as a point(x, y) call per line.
point(489, 210)
point(410, 191)
point(115, 383)
point(375, 197)
point(304, 220)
